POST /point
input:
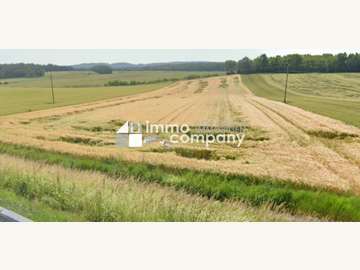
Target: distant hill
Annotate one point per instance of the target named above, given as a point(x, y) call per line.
point(179, 66)
point(87, 66)
point(125, 66)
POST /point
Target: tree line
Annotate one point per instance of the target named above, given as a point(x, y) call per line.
point(171, 66)
point(28, 70)
point(185, 66)
point(296, 63)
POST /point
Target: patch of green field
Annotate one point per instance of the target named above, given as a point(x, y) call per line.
point(333, 95)
point(73, 79)
point(75, 87)
point(16, 100)
point(256, 191)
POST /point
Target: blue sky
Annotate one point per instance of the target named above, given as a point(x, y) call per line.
point(70, 56)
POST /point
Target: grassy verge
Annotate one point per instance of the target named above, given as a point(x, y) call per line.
point(53, 193)
point(43, 199)
point(256, 191)
point(34, 209)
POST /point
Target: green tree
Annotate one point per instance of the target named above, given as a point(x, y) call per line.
point(230, 67)
point(276, 64)
point(295, 62)
point(261, 63)
point(341, 62)
point(353, 62)
point(245, 66)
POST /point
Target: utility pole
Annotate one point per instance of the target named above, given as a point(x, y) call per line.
point(286, 82)
point(52, 88)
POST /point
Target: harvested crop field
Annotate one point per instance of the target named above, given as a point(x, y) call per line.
point(282, 141)
point(336, 95)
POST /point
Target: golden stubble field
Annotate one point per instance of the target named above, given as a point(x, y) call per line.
point(282, 141)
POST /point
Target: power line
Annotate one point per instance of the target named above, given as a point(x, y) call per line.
point(52, 88)
point(286, 82)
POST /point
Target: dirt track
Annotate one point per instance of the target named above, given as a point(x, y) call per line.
point(292, 146)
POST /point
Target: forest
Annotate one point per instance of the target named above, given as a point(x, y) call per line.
point(295, 63)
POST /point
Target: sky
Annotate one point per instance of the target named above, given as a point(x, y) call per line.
point(136, 56)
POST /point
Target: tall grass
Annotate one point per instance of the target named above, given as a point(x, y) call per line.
point(58, 194)
point(256, 191)
point(35, 210)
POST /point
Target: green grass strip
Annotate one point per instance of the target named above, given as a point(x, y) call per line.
point(34, 209)
point(253, 190)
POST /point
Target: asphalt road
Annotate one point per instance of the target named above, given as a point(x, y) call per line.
point(9, 216)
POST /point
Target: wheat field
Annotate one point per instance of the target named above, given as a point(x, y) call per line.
point(282, 141)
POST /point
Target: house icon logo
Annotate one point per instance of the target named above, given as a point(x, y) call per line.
point(129, 135)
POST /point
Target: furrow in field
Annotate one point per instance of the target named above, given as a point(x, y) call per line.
point(294, 120)
point(172, 112)
point(179, 114)
point(306, 120)
point(297, 123)
point(330, 159)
